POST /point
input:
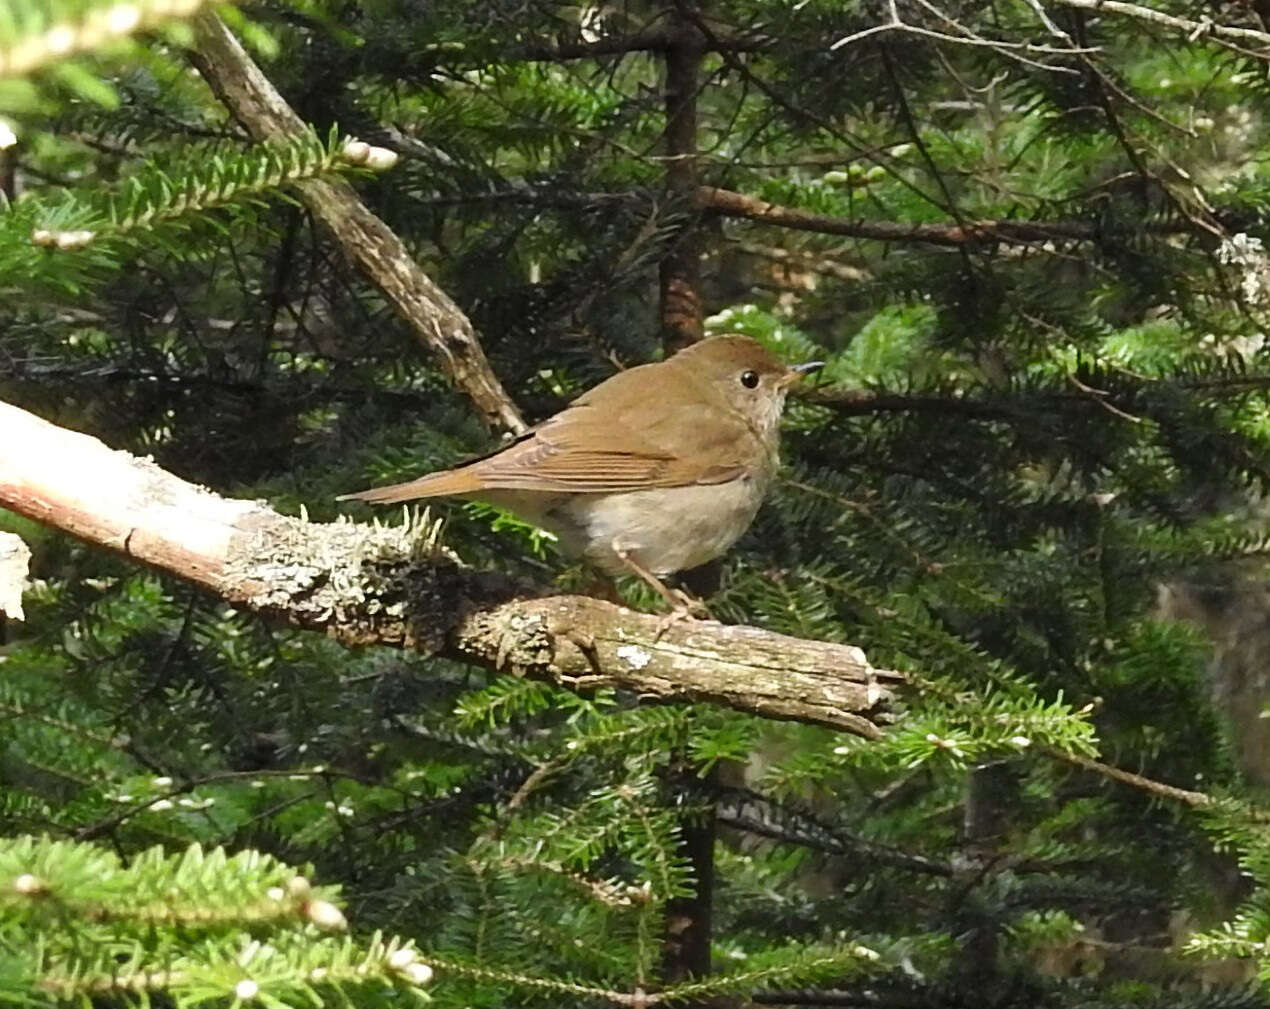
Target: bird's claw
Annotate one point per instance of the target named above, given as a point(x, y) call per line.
point(682, 607)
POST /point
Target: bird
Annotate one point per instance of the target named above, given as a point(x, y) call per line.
point(658, 469)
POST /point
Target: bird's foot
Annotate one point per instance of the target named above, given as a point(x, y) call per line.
point(689, 605)
point(683, 606)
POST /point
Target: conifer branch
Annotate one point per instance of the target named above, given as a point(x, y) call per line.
point(754, 813)
point(205, 178)
point(34, 35)
point(97, 926)
point(396, 586)
point(364, 239)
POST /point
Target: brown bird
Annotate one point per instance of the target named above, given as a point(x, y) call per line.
point(657, 469)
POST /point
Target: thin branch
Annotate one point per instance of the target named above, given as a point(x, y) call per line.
point(104, 826)
point(366, 241)
point(754, 813)
point(1193, 29)
point(728, 203)
point(965, 37)
point(852, 402)
point(396, 586)
point(652, 39)
point(656, 39)
point(1050, 26)
point(1159, 788)
point(855, 144)
point(866, 998)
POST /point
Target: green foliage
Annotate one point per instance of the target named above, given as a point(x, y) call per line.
point(1018, 441)
point(75, 239)
point(195, 928)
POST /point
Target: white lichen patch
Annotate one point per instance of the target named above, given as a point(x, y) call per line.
point(375, 581)
point(634, 656)
point(14, 557)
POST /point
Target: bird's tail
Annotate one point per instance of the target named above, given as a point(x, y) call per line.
point(446, 483)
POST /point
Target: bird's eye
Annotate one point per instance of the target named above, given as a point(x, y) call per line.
point(749, 379)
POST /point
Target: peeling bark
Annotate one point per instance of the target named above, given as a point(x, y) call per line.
point(398, 586)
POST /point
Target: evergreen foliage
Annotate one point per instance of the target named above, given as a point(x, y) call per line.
point(1020, 435)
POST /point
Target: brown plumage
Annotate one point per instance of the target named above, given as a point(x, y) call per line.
point(612, 473)
point(639, 429)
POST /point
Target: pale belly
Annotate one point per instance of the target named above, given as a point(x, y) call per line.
point(662, 530)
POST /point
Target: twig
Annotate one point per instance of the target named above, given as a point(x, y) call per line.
point(1129, 778)
point(1050, 26)
point(1099, 396)
point(1010, 50)
point(655, 39)
point(750, 811)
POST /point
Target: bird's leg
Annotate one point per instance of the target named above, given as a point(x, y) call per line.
point(682, 605)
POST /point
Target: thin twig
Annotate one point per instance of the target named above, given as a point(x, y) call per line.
point(1159, 788)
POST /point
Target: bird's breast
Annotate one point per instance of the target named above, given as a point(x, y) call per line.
point(663, 529)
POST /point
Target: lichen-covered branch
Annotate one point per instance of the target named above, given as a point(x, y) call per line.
point(397, 586)
point(365, 240)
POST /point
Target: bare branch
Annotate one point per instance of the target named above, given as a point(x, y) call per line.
point(964, 37)
point(729, 203)
point(853, 401)
point(396, 586)
point(1193, 29)
point(365, 240)
point(732, 204)
point(1165, 791)
point(654, 39)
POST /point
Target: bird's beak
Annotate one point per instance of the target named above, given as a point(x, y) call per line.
point(798, 371)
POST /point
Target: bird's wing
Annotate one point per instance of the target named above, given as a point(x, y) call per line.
point(576, 453)
point(605, 442)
